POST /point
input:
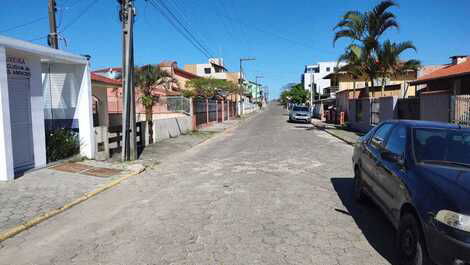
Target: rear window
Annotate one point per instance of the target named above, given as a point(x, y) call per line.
point(444, 145)
point(300, 108)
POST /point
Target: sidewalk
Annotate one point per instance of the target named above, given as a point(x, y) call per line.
point(43, 190)
point(349, 137)
point(32, 197)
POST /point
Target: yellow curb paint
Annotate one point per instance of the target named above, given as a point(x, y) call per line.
point(4, 235)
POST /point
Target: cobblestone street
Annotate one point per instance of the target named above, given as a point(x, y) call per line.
point(266, 192)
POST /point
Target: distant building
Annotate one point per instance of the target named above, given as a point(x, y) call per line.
point(214, 68)
point(313, 77)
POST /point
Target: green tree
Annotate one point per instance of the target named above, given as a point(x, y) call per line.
point(209, 87)
point(296, 94)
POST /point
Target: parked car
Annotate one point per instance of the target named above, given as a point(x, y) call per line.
point(418, 173)
point(300, 113)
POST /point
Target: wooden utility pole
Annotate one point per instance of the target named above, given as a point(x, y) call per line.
point(52, 38)
point(129, 147)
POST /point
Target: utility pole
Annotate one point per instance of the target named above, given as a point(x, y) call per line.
point(241, 78)
point(129, 146)
point(52, 38)
point(312, 84)
point(257, 87)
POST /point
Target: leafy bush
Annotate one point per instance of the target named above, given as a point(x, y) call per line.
point(61, 144)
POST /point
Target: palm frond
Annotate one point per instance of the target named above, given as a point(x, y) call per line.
point(383, 6)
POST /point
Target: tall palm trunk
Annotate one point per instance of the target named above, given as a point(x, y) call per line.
point(149, 119)
point(383, 87)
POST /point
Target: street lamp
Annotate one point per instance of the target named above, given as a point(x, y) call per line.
point(240, 80)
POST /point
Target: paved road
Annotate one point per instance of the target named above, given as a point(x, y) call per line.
point(268, 192)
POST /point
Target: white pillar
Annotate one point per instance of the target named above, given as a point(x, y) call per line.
point(7, 171)
point(85, 116)
point(37, 113)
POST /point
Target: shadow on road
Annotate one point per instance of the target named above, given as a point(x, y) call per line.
point(378, 231)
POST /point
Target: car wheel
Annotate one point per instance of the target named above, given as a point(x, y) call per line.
point(358, 186)
point(410, 243)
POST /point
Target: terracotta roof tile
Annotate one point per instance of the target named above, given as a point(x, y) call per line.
point(446, 72)
point(102, 79)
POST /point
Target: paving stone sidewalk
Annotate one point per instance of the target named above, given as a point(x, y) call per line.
point(43, 190)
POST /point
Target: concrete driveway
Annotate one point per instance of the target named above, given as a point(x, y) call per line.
point(268, 192)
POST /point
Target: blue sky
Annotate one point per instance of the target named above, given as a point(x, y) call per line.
point(282, 35)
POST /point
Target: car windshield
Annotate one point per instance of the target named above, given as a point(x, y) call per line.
point(301, 109)
point(442, 146)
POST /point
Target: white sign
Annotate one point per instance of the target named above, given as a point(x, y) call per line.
point(17, 67)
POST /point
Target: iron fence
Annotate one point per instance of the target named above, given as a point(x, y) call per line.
point(200, 112)
point(212, 104)
point(177, 104)
point(460, 110)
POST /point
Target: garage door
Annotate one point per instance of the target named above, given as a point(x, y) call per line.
point(21, 126)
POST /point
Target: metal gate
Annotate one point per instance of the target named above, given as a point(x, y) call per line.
point(212, 110)
point(460, 110)
point(375, 111)
point(408, 108)
point(199, 109)
point(219, 111)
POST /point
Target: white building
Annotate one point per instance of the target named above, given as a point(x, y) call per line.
point(214, 68)
point(313, 76)
point(40, 87)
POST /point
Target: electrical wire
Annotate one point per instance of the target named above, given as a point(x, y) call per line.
point(84, 11)
point(179, 8)
point(24, 25)
point(180, 27)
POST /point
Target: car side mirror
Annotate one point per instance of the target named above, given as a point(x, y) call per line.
point(391, 157)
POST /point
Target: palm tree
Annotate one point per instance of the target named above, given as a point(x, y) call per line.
point(364, 29)
point(147, 78)
point(353, 65)
point(389, 63)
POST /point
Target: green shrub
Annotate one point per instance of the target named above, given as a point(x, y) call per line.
point(61, 144)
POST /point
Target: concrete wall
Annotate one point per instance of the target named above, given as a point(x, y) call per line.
point(171, 128)
point(115, 119)
point(435, 106)
point(100, 92)
point(362, 124)
point(388, 108)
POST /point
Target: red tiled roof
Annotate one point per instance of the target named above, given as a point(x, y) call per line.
point(109, 69)
point(446, 72)
point(186, 74)
point(105, 80)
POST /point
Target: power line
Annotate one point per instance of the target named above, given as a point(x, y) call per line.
point(85, 10)
point(252, 27)
point(179, 8)
point(180, 27)
point(24, 25)
point(176, 23)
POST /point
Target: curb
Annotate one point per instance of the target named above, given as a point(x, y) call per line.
point(11, 232)
point(334, 135)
